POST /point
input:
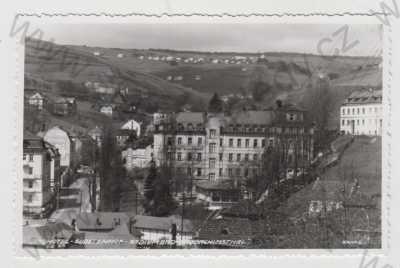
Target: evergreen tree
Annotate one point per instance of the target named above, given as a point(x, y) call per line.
point(163, 201)
point(149, 183)
point(215, 105)
point(119, 177)
point(111, 170)
point(159, 201)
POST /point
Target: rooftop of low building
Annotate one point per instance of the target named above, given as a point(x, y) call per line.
point(366, 96)
point(162, 223)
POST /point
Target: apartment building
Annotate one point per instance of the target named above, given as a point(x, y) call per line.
point(37, 168)
point(215, 147)
point(361, 113)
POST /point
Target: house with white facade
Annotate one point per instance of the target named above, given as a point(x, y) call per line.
point(107, 110)
point(137, 158)
point(37, 101)
point(61, 140)
point(129, 129)
point(159, 118)
point(361, 113)
point(37, 194)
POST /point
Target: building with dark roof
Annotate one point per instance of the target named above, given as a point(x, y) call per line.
point(215, 147)
point(218, 194)
point(361, 113)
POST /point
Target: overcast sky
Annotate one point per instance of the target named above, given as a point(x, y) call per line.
point(219, 37)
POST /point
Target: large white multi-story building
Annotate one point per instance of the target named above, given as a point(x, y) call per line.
point(361, 113)
point(37, 168)
point(214, 147)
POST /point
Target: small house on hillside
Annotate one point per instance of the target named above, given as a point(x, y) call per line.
point(37, 101)
point(107, 110)
point(104, 90)
point(63, 106)
point(96, 135)
point(137, 158)
point(128, 130)
point(132, 125)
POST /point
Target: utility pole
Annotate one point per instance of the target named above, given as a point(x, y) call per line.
point(58, 194)
point(183, 211)
point(80, 205)
point(136, 202)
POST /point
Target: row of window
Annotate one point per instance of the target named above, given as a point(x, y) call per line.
point(363, 132)
point(359, 121)
point(189, 141)
point(352, 111)
point(231, 143)
point(198, 157)
point(230, 172)
point(247, 143)
point(30, 157)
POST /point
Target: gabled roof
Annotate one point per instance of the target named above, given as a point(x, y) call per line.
point(101, 220)
point(36, 95)
point(130, 124)
point(118, 238)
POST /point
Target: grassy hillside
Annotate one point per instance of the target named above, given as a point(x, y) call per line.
point(361, 161)
point(54, 62)
point(289, 75)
